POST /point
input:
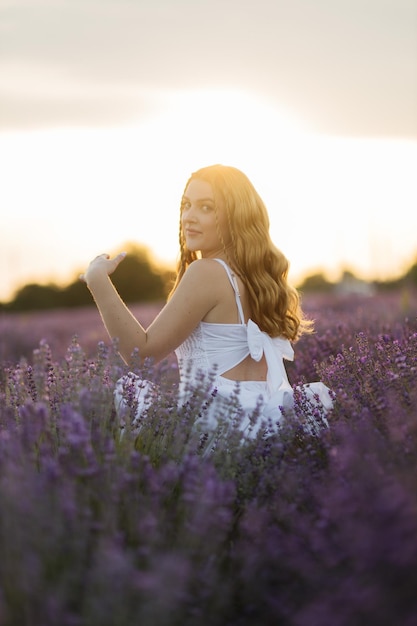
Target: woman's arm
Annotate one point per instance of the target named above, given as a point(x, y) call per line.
point(195, 296)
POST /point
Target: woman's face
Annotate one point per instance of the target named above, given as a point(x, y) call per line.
point(202, 221)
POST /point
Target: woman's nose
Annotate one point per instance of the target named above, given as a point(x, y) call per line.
point(189, 215)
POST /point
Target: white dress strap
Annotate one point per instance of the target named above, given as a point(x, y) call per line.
point(235, 286)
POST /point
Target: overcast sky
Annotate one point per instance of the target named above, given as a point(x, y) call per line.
point(346, 67)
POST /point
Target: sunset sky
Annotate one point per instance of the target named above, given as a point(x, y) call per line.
point(107, 106)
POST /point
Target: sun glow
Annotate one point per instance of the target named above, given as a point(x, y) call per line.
point(69, 194)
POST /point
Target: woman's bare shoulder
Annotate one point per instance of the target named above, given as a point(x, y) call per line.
point(202, 269)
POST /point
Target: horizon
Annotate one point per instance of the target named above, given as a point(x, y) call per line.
point(163, 266)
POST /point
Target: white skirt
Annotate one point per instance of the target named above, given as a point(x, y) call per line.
point(245, 405)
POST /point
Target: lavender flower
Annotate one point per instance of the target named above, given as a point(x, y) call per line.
point(311, 526)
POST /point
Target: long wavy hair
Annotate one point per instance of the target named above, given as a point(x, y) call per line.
point(274, 303)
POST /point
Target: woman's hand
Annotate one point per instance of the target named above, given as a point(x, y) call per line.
point(102, 265)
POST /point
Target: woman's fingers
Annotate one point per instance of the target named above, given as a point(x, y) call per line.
point(113, 263)
point(103, 262)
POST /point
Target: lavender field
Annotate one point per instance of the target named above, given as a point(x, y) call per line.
point(157, 530)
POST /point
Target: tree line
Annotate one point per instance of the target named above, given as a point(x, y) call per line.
point(318, 283)
point(138, 279)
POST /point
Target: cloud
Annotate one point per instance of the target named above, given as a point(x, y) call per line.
point(347, 68)
point(34, 96)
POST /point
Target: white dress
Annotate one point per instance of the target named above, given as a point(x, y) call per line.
point(213, 349)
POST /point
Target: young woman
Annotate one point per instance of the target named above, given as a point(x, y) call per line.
point(231, 315)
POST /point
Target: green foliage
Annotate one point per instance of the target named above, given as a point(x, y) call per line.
point(316, 283)
point(36, 296)
point(136, 279)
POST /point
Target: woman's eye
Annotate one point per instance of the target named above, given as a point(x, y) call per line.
point(205, 208)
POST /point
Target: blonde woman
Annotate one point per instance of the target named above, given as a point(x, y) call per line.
point(231, 316)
